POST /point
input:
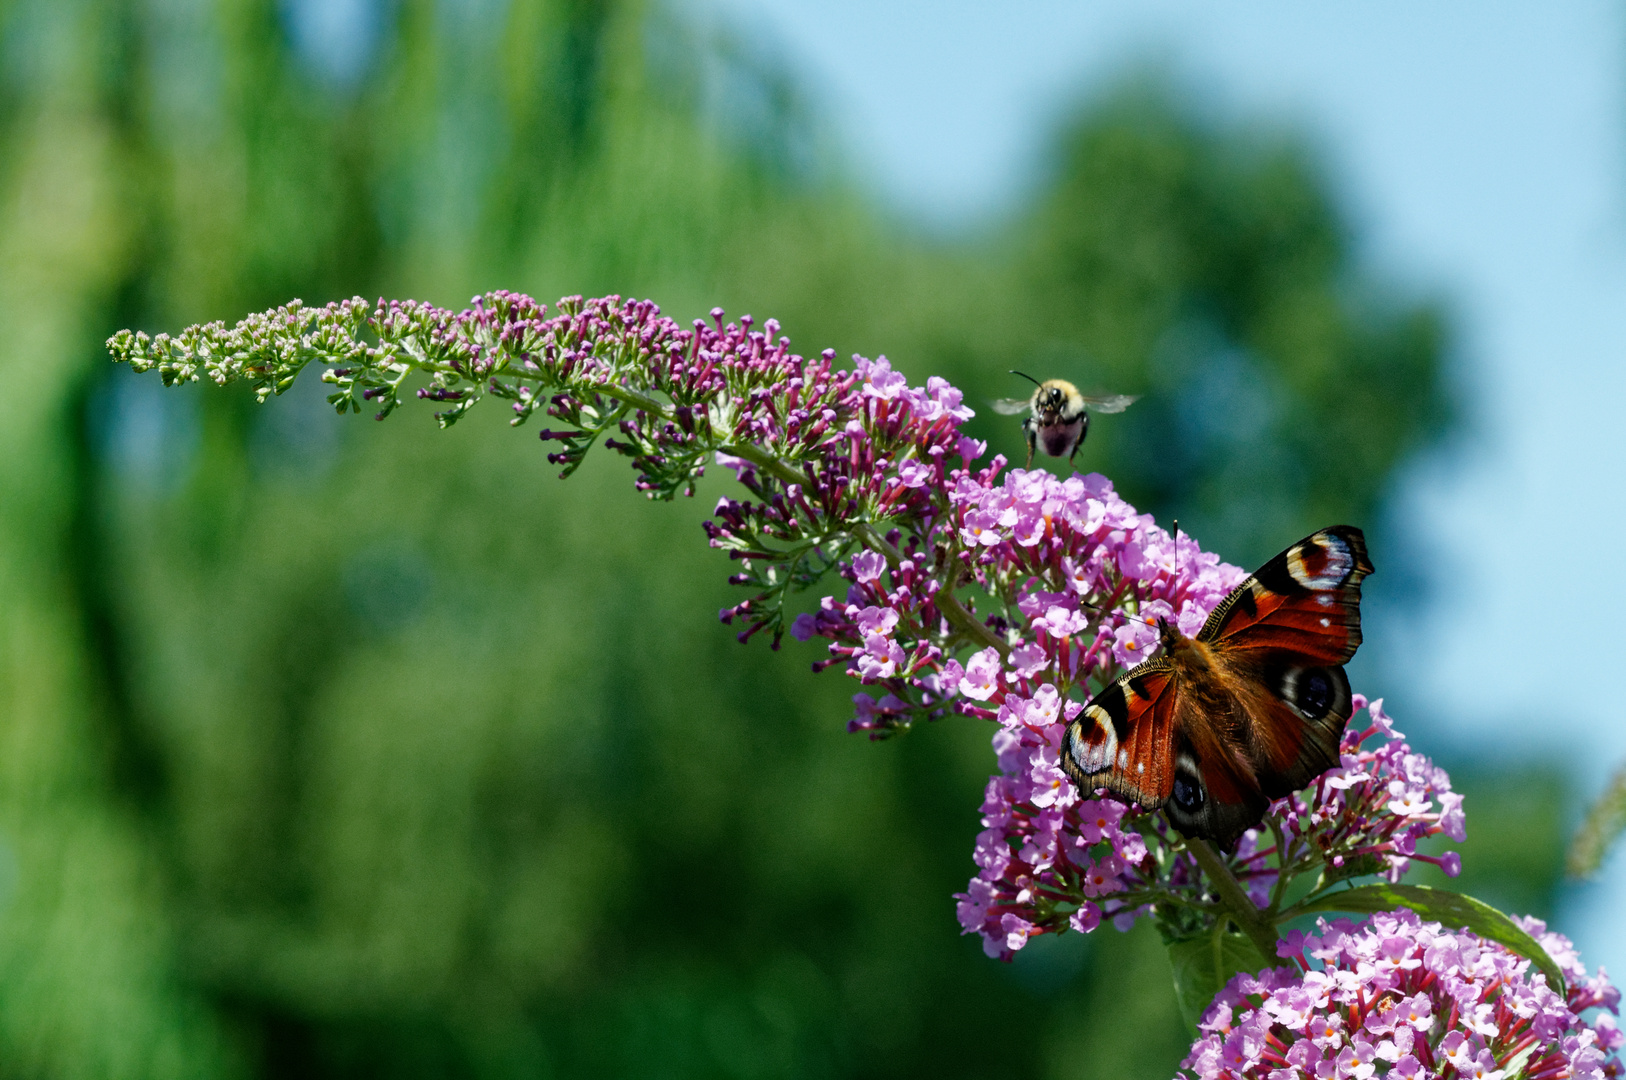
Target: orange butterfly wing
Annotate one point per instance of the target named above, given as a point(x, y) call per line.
point(1306, 601)
point(1142, 739)
point(1124, 739)
point(1280, 640)
point(1252, 710)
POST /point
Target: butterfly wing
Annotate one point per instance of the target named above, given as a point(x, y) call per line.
point(1296, 714)
point(1111, 403)
point(1279, 642)
point(1142, 739)
point(1012, 406)
point(1305, 601)
point(1124, 739)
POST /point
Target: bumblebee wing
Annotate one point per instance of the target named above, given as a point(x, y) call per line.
point(1111, 403)
point(1012, 406)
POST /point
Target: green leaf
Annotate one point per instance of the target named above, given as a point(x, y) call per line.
point(1448, 908)
point(1204, 964)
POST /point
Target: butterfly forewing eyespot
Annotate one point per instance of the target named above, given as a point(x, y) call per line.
point(1092, 742)
point(1321, 562)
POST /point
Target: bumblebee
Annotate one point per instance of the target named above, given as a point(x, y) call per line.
point(1058, 415)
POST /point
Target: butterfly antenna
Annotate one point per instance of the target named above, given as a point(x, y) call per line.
point(1177, 550)
point(1026, 376)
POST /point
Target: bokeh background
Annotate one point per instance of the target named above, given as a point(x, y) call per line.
point(339, 749)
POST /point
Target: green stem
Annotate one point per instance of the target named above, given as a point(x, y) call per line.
point(1284, 875)
point(1241, 910)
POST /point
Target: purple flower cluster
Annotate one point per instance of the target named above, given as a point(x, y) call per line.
point(894, 451)
point(1087, 577)
point(1084, 577)
point(1070, 551)
point(1080, 578)
point(1399, 997)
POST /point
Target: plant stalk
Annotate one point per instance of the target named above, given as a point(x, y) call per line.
point(1241, 910)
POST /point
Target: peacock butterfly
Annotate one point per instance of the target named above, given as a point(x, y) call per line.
point(1214, 727)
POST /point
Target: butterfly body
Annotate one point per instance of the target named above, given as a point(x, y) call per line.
point(1253, 707)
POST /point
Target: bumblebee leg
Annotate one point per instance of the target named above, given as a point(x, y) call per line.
point(1031, 430)
point(1083, 433)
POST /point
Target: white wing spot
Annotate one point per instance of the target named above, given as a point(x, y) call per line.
point(1325, 621)
point(1140, 767)
point(1123, 759)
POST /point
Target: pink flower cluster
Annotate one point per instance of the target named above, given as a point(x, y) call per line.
point(894, 451)
point(1399, 997)
point(1089, 575)
point(867, 445)
point(1079, 579)
point(1049, 860)
point(1081, 576)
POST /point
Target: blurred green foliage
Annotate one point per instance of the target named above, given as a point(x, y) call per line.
point(332, 750)
point(1513, 858)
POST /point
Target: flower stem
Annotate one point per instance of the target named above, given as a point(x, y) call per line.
point(1241, 910)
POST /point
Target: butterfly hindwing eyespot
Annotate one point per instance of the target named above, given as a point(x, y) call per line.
point(1298, 723)
point(1206, 800)
point(1188, 794)
point(1310, 691)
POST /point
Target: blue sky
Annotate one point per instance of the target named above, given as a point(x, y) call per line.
point(1481, 150)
